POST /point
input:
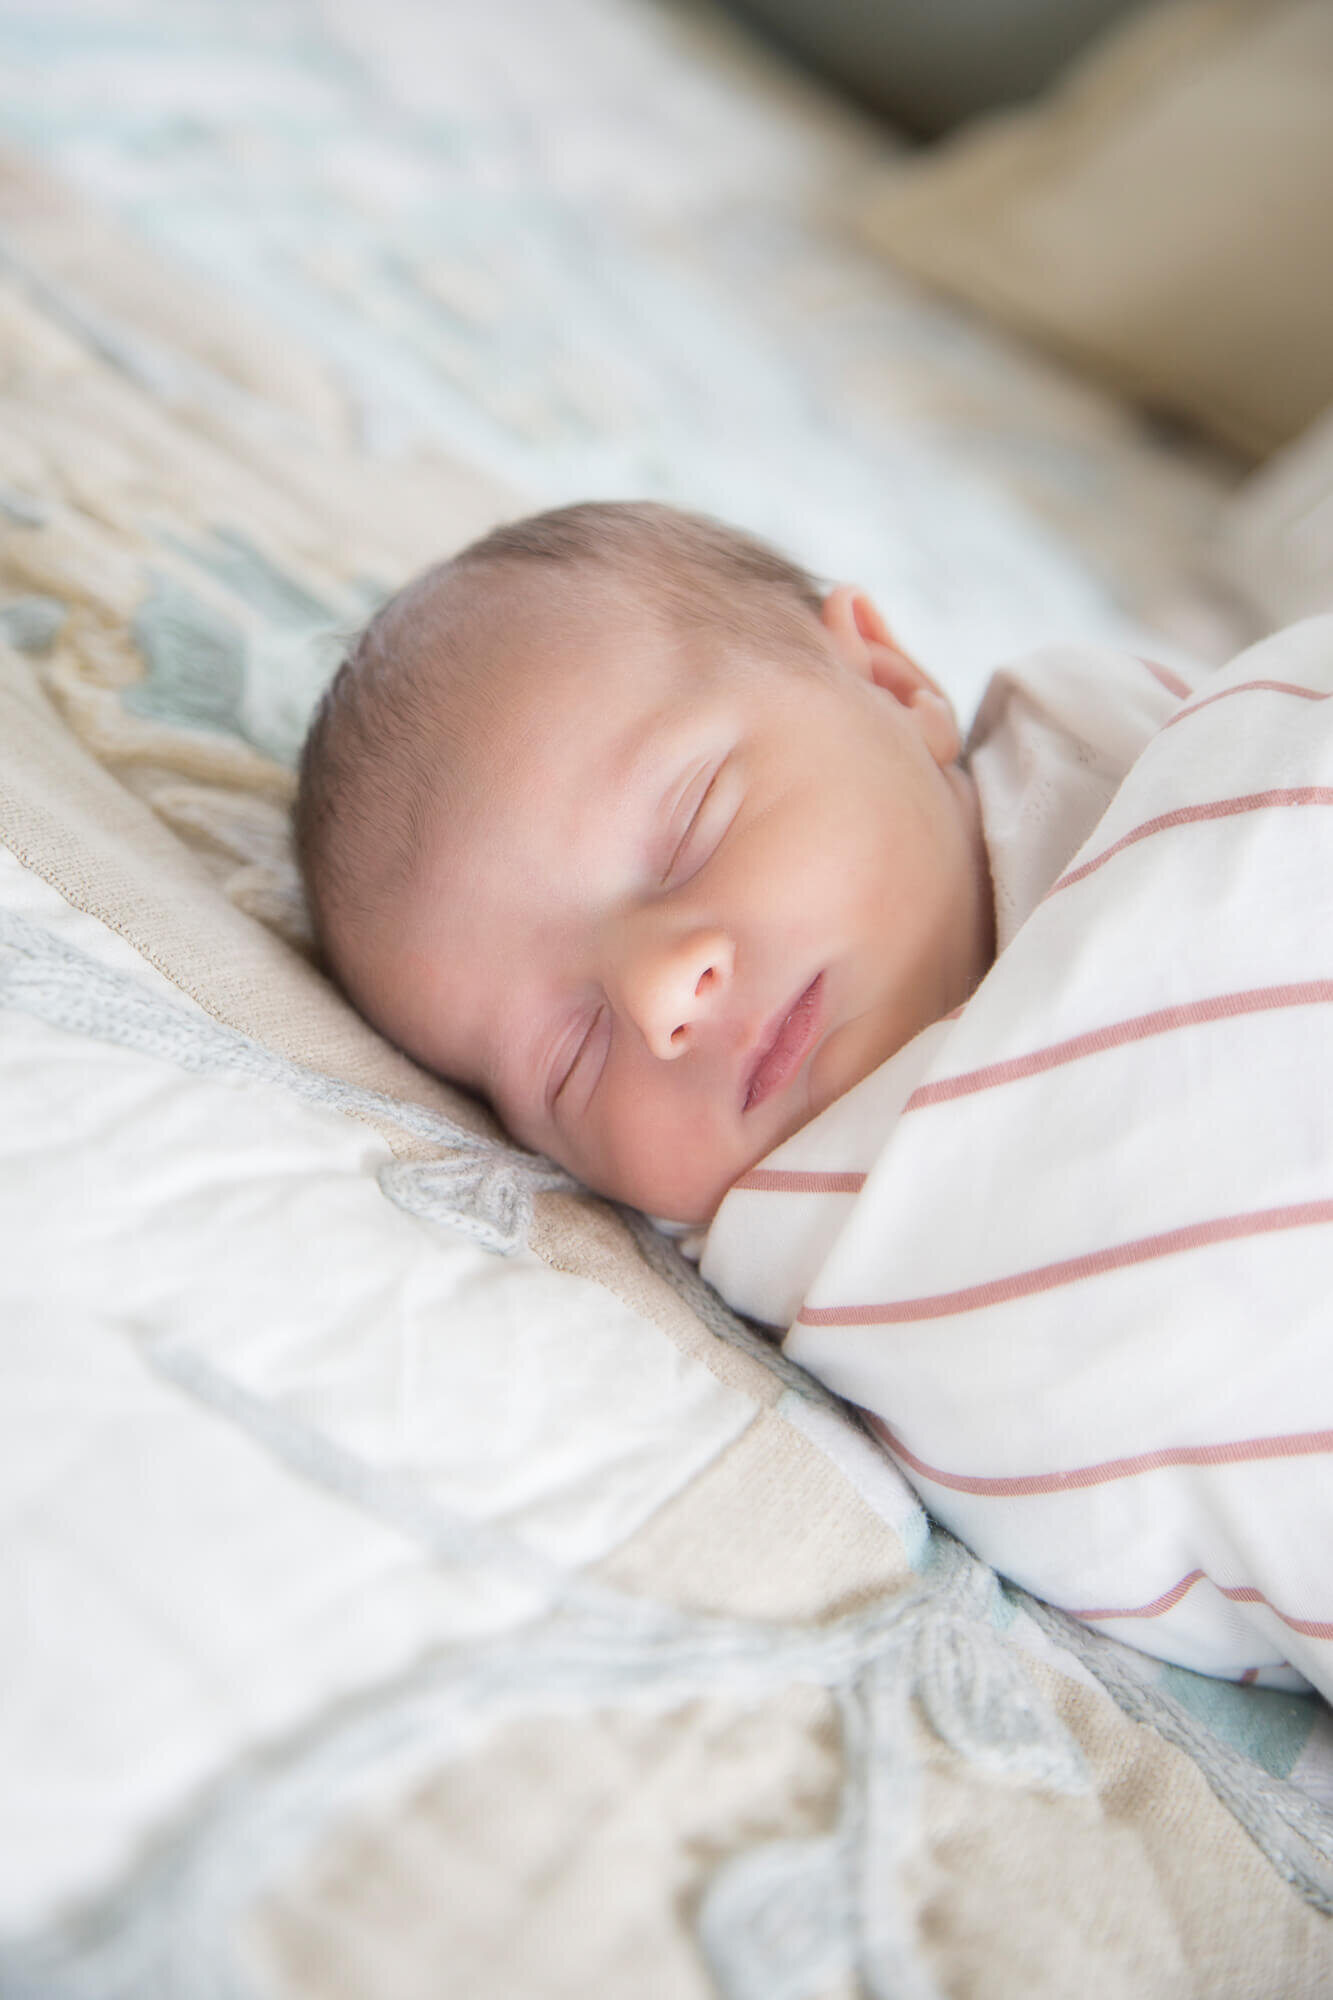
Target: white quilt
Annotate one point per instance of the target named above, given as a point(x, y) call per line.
point(1072, 1250)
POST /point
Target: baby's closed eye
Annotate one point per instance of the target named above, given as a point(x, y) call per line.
point(590, 1035)
point(709, 806)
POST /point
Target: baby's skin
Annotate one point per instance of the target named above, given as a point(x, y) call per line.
point(685, 893)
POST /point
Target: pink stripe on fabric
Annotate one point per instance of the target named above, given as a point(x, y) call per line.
point(1024, 1485)
point(1249, 1677)
point(1169, 680)
point(1168, 1601)
point(1247, 687)
point(1071, 1270)
point(1138, 1028)
point(1295, 795)
point(794, 1180)
point(1240, 1593)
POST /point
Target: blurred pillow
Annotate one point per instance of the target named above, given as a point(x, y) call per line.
point(1163, 219)
point(1274, 540)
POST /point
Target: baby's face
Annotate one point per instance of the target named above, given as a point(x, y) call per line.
point(691, 898)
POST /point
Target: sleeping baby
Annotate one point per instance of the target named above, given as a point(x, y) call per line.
point(996, 1080)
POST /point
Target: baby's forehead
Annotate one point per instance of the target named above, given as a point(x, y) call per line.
point(573, 678)
point(568, 725)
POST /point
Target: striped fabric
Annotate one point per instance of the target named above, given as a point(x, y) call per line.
point(1072, 1250)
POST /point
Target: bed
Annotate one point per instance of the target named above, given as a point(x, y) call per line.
point(415, 1581)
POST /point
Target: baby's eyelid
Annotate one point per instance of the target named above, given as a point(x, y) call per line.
point(571, 1065)
point(576, 1058)
point(690, 826)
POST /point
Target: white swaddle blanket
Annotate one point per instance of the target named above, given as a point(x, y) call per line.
point(1072, 1249)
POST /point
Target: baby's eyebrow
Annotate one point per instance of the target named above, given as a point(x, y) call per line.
point(485, 1082)
point(677, 741)
point(645, 774)
point(489, 1074)
point(651, 761)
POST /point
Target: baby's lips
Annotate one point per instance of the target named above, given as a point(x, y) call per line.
point(786, 1047)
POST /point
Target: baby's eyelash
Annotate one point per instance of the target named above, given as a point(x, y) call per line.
point(576, 1058)
point(571, 1065)
point(690, 825)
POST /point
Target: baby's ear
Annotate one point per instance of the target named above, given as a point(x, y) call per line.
point(862, 639)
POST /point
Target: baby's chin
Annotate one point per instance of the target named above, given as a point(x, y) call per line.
point(688, 1207)
point(851, 1053)
point(667, 1191)
point(692, 1202)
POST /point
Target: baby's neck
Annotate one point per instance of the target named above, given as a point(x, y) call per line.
point(977, 934)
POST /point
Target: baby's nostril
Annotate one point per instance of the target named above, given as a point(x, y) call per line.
point(706, 978)
point(677, 1034)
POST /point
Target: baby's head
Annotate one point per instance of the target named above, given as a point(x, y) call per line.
point(618, 820)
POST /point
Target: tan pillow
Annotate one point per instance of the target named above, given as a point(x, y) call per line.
point(1165, 218)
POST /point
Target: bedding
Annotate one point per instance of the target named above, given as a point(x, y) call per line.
point(406, 1562)
point(599, 248)
point(1071, 1248)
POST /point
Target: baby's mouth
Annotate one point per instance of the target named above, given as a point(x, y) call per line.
point(784, 1050)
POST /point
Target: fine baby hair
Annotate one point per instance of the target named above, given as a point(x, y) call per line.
point(413, 680)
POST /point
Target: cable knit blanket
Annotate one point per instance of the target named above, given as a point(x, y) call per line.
point(1073, 1249)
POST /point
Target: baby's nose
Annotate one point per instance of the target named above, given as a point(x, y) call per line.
point(672, 985)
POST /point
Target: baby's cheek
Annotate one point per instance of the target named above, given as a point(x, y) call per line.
point(659, 1150)
point(620, 1139)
